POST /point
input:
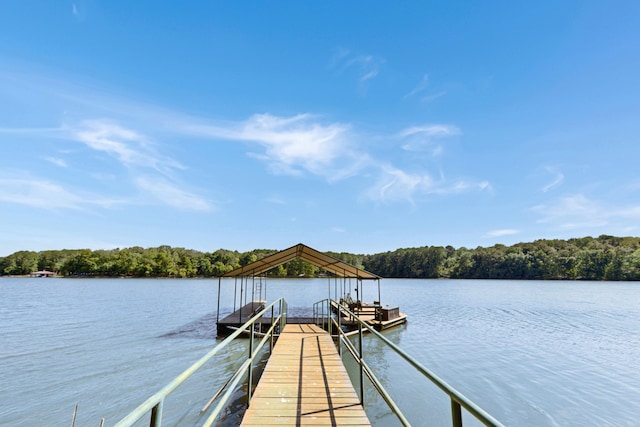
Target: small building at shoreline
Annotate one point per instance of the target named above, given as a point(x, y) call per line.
point(43, 273)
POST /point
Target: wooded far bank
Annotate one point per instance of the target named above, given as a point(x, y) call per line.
point(588, 258)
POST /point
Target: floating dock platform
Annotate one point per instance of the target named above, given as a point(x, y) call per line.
point(233, 321)
point(379, 317)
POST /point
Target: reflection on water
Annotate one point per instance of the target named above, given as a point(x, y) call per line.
point(530, 353)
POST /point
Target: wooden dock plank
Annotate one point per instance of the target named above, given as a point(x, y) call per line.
point(305, 383)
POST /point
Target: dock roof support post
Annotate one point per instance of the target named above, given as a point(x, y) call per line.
point(329, 289)
point(241, 305)
point(218, 310)
point(235, 292)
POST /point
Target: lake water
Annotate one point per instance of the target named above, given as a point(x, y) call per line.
point(529, 353)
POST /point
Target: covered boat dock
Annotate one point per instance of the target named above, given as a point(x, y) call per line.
point(345, 285)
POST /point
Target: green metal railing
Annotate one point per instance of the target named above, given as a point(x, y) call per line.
point(155, 403)
point(323, 314)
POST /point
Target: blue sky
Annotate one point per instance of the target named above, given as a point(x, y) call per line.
point(348, 126)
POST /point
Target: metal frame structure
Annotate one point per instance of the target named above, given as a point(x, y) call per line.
point(342, 273)
point(304, 252)
point(458, 400)
point(155, 403)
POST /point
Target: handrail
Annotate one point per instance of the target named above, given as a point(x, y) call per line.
point(458, 400)
point(156, 401)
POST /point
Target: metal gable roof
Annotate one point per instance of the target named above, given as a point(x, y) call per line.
point(300, 251)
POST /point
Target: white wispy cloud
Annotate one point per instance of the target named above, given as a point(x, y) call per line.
point(79, 12)
point(338, 57)
point(296, 141)
point(45, 194)
point(433, 96)
point(502, 232)
point(394, 185)
point(135, 151)
point(422, 86)
point(304, 144)
point(421, 91)
point(557, 180)
point(57, 161)
point(580, 212)
point(433, 130)
point(572, 212)
point(132, 134)
point(427, 137)
point(366, 66)
point(463, 186)
point(371, 74)
point(103, 135)
point(276, 200)
point(131, 148)
point(292, 145)
point(169, 194)
point(37, 193)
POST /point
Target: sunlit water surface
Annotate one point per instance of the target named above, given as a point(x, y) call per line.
point(529, 353)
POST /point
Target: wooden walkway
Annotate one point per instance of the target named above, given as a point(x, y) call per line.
point(305, 383)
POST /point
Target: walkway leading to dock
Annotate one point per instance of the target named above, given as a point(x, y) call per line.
point(305, 383)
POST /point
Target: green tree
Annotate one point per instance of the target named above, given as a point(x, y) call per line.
point(20, 263)
point(81, 264)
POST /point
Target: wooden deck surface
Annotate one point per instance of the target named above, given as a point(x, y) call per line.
point(305, 383)
point(239, 317)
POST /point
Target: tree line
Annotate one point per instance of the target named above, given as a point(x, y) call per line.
point(601, 258)
point(588, 258)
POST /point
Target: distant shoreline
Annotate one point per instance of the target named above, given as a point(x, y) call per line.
point(26, 276)
point(605, 258)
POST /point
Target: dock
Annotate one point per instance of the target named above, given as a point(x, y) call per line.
point(305, 383)
point(239, 317)
point(378, 317)
point(375, 315)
